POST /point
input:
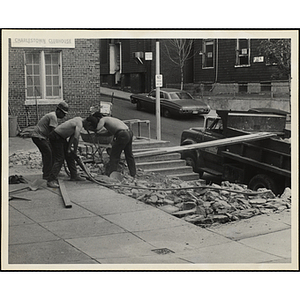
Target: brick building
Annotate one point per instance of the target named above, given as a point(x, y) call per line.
point(129, 64)
point(218, 68)
point(235, 66)
point(226, 65)
point(43, 72)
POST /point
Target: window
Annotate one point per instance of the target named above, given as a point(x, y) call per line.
point(153, 94)
point(208, 54)
point(180, 95)
point(43, 76)
point(243, 52)
point(243, 87)
point(52, 75)
point(265, 86)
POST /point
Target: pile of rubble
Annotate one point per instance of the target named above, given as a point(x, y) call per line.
point(203, 205)
point(190, 200)
point(31, 159)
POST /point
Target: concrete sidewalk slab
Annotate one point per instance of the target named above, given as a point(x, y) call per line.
point(17, 218)
point(30, 233)
point(103, 201)
point(282, 217)
point(38, 199)
point(112, 246)
point(155, 260)
point(50, 252)
point(228, 253)
point(149, 219)
point(82, 227)
point(110, 206)
point(181, 238)
point(258, 225)
point(47, 214)
point(276, 243)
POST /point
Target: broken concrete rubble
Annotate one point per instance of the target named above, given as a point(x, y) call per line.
point(31, 159)
point(205, 207)
point(188, 200)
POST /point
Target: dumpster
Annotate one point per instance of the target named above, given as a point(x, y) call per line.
point(13, 125)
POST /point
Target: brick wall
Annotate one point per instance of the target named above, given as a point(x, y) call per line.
point(81, 75)
point(16, 91)
point(81, 82)
point(227, 71)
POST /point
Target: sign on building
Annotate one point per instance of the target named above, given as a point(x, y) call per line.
point(43, 42)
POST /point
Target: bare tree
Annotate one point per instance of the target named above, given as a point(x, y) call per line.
point(278, 53)
point(179, 51)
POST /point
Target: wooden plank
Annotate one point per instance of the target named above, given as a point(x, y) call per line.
point(214, 143)
point(64, 194)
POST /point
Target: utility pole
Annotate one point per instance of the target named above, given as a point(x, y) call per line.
point(158, 84)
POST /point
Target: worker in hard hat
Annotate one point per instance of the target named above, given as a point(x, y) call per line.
point(64, 140)
point(41, 132)
point(122, 139)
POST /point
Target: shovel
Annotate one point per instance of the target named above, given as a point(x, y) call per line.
point(32, 186)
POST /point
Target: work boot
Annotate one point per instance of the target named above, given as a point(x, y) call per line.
point(78, 178)
point(52, 184)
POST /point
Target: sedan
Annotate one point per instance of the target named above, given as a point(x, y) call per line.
point(173, 102)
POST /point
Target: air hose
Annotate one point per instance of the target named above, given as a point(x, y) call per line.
point(115, 185)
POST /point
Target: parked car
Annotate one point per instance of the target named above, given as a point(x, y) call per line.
point(173, 102)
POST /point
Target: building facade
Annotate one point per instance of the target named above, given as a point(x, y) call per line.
point(223, 72)
point(130, 64)
point(236, 66)
point(43, 72)
point(233, 66)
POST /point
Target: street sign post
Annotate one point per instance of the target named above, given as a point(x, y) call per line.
point(158, 79)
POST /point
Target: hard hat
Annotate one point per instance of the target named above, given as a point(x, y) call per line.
point(63, 106)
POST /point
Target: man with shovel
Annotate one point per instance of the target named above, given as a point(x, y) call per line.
point(41, 132)
point(63, 138)
point(122, 139)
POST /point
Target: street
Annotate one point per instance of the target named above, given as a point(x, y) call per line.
point(170, 128)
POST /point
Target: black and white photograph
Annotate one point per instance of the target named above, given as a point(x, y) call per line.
point(150, 149)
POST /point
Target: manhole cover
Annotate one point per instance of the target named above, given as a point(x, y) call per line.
point(162, 251)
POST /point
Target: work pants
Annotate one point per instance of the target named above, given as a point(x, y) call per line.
point(47, 155)
point(60, 153)
point(122, 141)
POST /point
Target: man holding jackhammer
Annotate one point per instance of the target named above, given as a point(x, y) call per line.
point(122, 139)
point(41, 132)
point(63, 138)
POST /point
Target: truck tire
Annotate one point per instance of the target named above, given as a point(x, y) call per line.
point(263, 181)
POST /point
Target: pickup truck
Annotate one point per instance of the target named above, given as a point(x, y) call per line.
point(263, 163)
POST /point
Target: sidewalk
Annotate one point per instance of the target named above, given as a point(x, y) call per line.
point(107, 230)
point(116, 93)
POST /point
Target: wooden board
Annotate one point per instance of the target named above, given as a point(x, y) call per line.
point(214, 143)
point(64, 194)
